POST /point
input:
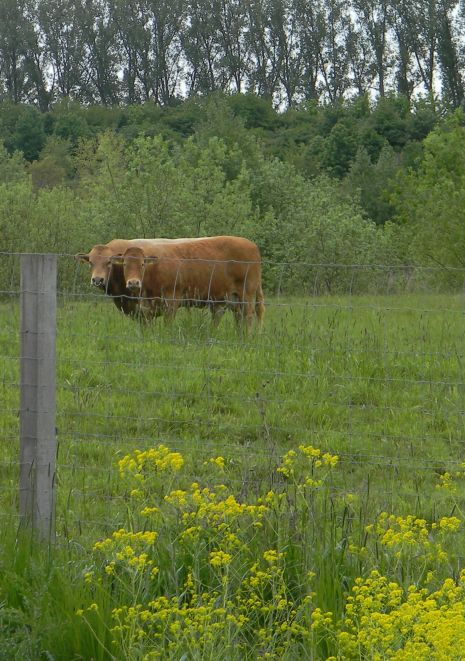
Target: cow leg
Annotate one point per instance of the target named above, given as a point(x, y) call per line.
point(148, 309)
point(119, 303)
point(170, 313)
point(217, 310)
point(126, 304)
point(238, 311)
point(249, 315)
point(145, 314)
point(244, 313)
point(259, 307)
point(171, 307)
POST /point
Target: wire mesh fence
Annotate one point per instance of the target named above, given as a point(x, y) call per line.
point(367, 365)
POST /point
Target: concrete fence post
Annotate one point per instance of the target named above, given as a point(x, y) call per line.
point(37, 383)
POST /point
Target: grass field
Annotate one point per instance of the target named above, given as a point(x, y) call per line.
point(377, 381)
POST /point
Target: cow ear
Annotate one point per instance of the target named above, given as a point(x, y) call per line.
point(81, 257)
point(117, 259)
point(150, 260)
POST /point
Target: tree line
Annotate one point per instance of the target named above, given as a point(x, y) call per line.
point(319, 189)
point(114, 52)
point(362, 145)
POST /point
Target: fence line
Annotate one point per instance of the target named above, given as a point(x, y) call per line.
point(346, 458)
point(227, 398)
point(341, 265)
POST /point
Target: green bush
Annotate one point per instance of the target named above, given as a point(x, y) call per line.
point(430, 199)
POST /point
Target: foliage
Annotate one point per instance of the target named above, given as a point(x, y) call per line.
point(313, 224)
point(374, 181)
point(22, 129)
point(12, 167)
point(430, 199)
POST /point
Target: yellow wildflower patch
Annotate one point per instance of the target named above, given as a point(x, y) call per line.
point(159, 459)
point(382, 621)
point(301, 465)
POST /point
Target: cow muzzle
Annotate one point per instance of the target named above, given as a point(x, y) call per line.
point(97, 281)
point(133, 285)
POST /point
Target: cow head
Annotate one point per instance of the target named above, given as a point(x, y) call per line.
point(134, 262)
point(99, 260)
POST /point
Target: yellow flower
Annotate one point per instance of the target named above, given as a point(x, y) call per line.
point(449, 523)
point(220, 559)
point(217, 461)
point(147, 511)
point(158, 459)
point(296, 464)
point(272, 556)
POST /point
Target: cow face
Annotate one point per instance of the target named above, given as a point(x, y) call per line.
point(134, 262)
point(99, 260)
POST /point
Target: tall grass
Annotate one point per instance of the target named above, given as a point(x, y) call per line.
point(376, 380)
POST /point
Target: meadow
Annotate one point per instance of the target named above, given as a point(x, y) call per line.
point(295, 494)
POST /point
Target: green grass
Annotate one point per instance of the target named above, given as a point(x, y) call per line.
point(376, 380)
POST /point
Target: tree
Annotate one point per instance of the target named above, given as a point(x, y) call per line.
point(407, 76)
point(134, 39)
point(311, 26)
point(149, 35)
point(373, 16)
point(22, 129)
point(219, 121)
point(60, 24)
point(430, 200)
point(390, 120)
point(12, 166)
point(334, 61)
point(340, 148)
point(449, 56)
point(373, 180)
point(201, 49)
point(99, 82)
point(284, 27)
point(15, 32)
point(230, 22)
point(168, 21)
point(264, 52)
point(69, 122)
point(416, 26)
point(360, 56)
point(55, 165)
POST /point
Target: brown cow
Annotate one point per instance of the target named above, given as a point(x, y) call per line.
point(219, 272)
point(108, 276)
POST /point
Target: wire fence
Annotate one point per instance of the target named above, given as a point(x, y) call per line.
point(373, 374)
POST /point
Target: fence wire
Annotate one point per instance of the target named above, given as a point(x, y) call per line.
point(363, 361)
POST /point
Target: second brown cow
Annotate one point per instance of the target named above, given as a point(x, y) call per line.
point(220, 272)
